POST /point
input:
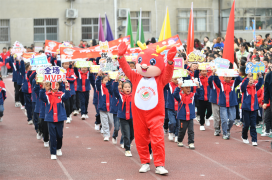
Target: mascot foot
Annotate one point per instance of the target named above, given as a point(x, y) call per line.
point(145, 168)
point(161, 170)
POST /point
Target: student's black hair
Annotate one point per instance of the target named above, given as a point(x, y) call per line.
point(244, 45)
point(103, 77)
point(257, 58)
point(4, 48)
point(27, 65)
point(212, 55)
point(126, 82)
point(153, 40)
point(1, 77)
point(41, 51)
point(208, 48)
point(9, 48)
point(260, 35)
point(266, 59)
point(132, 63)
point(268, 34)
point(243, 61)
point(184, 56)
point(243, 70)
point(147, 42)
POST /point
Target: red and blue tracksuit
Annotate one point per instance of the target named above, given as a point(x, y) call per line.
point(19, 83)
point(95, 103)
point(71, 77)
point(54, 115)
point(104, 96)
point(250, 106)
point(2, 97)
point(35, 103)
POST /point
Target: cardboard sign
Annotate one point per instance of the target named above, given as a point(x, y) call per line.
point(179, 63)
point(83, 64)
point(54, 74)
point(39, 78)
point(180, 73)
point(107, 63)
point(206, 66)
point(51, 46)
point(227, 72)
point(38, 49)
point(38, 60)
point(95, 68)
point(113, 74)
point(131, 58)
point(255, 68)
point(18, 48)
point(196, 56)
point(221, 63)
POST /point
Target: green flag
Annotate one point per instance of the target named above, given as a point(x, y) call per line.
point(129, 30)
point(140, 31)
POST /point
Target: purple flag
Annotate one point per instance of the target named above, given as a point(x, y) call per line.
point(101, 36)
point(109, 36)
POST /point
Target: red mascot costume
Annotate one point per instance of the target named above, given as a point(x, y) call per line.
point(147, 105)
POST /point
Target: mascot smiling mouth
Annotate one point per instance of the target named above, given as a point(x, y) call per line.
point(144, 69)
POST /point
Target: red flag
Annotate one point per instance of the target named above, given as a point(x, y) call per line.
point(228, 52)
point(190, 38)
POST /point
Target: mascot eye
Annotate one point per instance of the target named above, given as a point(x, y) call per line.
point(152, 61)
point(139, 60)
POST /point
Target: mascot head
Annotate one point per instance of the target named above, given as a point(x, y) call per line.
point(150, 62)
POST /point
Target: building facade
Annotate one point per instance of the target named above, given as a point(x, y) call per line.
point(33, 21)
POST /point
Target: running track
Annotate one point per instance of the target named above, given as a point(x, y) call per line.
point(87, 156)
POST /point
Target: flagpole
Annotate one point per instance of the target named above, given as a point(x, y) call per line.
point(165, 23)
point(105, 25)
point(140, 25)
point(127, 23)
point(115, 19)
point(98, 27)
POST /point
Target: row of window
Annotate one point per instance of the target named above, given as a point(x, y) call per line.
point(48, 28)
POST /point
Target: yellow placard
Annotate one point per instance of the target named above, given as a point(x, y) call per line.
point(113, 74)
point(94, 68)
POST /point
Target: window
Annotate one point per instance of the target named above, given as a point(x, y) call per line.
point(134, 16)
point(244, 17)
point(4, 30)
point(200, 20)
point(90, 27)
point(45, 29)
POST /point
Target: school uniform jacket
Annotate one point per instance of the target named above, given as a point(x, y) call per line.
point(250, 99)
point(84, 80)
point(113, 99)
point(214, 91)
point(186, 106)
point(14, 69)
point(171, 102)
point(2, 92)
point(40, 105)
point(26, 85)
point(103, 100)
point(124, 105)
point(204, 90)
point(54, 107)
point(71, 78)
point(19, 74)
point(227, 96)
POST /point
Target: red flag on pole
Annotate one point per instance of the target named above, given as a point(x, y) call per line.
point(190, 38)
point(228, 52)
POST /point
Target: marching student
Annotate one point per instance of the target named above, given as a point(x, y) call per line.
point(227, 102)
point(124, 112)
point(95, 103)
point(186, 111)
point(55, 115)
point(104, 104)
point(250, 107)
point(12, 63)
point(2, 97)
point(84, 81)
point(19, 84)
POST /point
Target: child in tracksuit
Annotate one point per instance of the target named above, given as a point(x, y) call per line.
point(26, 89)
point(267, 119)
point(12, 64)
point(166, 119)
point(186, 111)
point(84, 81)
point(203, 98)
point(104, 105)
point(260, 94)
point(55, 115)
point(97, 115)
point(214, 100)
point(172, 107)
point(19, 84)
point(124, 113)
point(227, 102)
point(250, 107)
point(2, 97)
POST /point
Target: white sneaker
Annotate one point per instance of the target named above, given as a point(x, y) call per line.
point(191, 146)
point(79, 110)
point(207, 122)
point(176, 139)
point(59, 153)
point(150, 156)
point(254, 144)
point(70, 117)
point(144, 168)
point(122, 146)
point(25, 112)
point(53, 157)
point(202, 128)
point(171, 136)
point(38, 136)
point(180, 144)
point(86, 116)
point(68, 121)
point(102, 132)
point(1, 119)
point(97, 127)
point(83, 117)
point(75, 113)
point(114, 141)
point(46, 144)
point(106, 138)
point(265, 134)
point(30, 122)
point(17, 104)
point(128, 154)
point(161, 170)
point(22, 107)
point(245, 141)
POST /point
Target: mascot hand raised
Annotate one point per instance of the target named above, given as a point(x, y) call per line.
point(171, 54)
point(122, 49)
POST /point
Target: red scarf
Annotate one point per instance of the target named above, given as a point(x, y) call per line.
point(106, 92)
point(227, 90)
point(83, 78)
point(54, 99)
point(187, 99)
point(204, 82)
point(251, 90)
point(173, 86)
point(127, 100)
point(28, 83)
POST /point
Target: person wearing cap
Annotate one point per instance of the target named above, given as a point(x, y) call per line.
point(186, 111)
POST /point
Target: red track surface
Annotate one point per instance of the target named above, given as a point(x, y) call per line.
point(22, 156)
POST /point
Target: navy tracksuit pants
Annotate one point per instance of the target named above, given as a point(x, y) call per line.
point(55, 136)
point(35, 117)
point(84, 101)
point(249, 118)
point(28, 106)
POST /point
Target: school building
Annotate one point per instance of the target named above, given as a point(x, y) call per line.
point(33, 21)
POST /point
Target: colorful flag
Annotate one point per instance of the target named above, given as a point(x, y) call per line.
point(228, 52)
point(190, 37)
point(166, 28)
point(109, 36)
point(129, 30)
point(101, 36)
point(140, 31)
